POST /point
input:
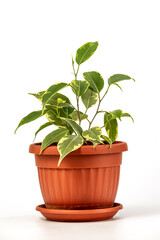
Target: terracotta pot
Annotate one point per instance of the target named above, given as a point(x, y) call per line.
point(86, 179)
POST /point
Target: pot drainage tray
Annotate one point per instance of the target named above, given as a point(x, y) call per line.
point(79, 215)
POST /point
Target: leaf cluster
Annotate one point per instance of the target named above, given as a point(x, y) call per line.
point(60, 112)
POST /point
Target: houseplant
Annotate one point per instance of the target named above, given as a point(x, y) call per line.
point(78, 168)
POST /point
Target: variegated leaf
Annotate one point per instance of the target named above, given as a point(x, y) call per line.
point(89, 98)
point(38, 95)
point(85, 52)
point(62, 109)
point(74, 116)
point(79, 87)
point(116, 114)
point(107, 139)
point(95, 80)
point(118, 77)
point(53, 137)
point(57, 95)
point(51, 91)
point(93, 134)
point(54, 119)
point(69, 144)
point(111, 129)
point(60, 105)
point(108, 116)
point(77, 129)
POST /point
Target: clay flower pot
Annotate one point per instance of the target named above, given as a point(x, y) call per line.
point(86, 178)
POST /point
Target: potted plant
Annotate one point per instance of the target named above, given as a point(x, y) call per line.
point(78, 168)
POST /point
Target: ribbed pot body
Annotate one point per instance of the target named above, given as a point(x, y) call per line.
point(83, 180)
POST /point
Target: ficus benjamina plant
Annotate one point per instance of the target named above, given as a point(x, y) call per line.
point(60, 112)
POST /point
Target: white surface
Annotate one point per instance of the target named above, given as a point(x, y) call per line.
point(129, 224)
point(36, 41)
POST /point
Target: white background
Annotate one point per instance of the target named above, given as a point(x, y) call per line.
point(37, 39)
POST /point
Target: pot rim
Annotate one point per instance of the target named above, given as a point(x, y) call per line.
point(117, 147)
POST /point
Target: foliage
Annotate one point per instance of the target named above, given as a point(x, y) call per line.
point(60, 112)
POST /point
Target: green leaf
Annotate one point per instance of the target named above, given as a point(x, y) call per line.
point(41, 128)
point(95, 80)
point(29, 118)
point(107, 139)
point(85, 52)
point(57, 120)
point(127, 115)
point(89, 98)
point(116, 114)
point(118, 77)
point(59, 106)
point(54, 119)
point(69, 144)
point(72, 61)
point(51, 91)
point(53, 99)
point(93, 134)
point(38, 95)
point(108, 116)
point(116, 84)
point(95, 143)
point(53, 137)
point(66, 111)
point(59, 100)
point(74, 115)
point(64, 107)
point(79, 87)
point(74, 126)
point(111, 129)
point(54, 113)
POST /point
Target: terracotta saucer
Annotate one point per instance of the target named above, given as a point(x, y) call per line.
point(79, 215)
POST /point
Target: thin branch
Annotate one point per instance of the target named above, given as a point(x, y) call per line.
point(88, 120)
point(101, 111)
point(95, 112)
point(77, 73)
point(74, 72)
point(105, 93)
point(77, 97)
point(100, 100)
